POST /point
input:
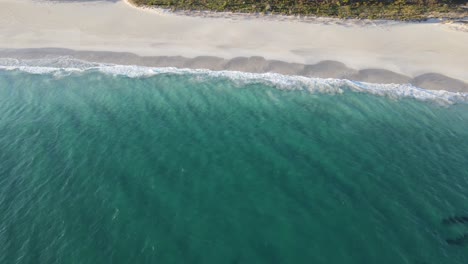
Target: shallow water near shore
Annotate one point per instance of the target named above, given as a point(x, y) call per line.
point(183, 168)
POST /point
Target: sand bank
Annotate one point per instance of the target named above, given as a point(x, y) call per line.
point(390, 52)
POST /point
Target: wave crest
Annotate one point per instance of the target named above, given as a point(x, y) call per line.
point(62, 66)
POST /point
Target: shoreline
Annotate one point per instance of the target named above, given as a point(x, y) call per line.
point(428, 55)
point(324, 69)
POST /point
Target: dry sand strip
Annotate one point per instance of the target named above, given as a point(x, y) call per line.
point(425, 53)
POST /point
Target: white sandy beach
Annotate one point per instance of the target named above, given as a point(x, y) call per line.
point(409, 49)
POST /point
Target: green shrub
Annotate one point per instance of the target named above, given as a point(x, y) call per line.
point(372, 9)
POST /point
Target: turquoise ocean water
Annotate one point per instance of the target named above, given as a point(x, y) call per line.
point(198, 168)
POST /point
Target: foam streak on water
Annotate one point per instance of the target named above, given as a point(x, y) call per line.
point(67, 65)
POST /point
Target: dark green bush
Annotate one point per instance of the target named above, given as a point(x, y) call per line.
point(384, 9)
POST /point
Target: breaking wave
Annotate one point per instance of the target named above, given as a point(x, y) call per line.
point(63, 66)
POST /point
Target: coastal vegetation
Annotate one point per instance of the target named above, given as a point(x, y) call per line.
point(369, 9)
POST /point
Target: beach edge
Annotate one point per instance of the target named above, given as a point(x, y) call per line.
point(255, 64)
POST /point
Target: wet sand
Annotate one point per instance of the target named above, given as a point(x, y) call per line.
point(323, 69)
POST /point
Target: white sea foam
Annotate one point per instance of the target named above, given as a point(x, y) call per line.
point(63, 66)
